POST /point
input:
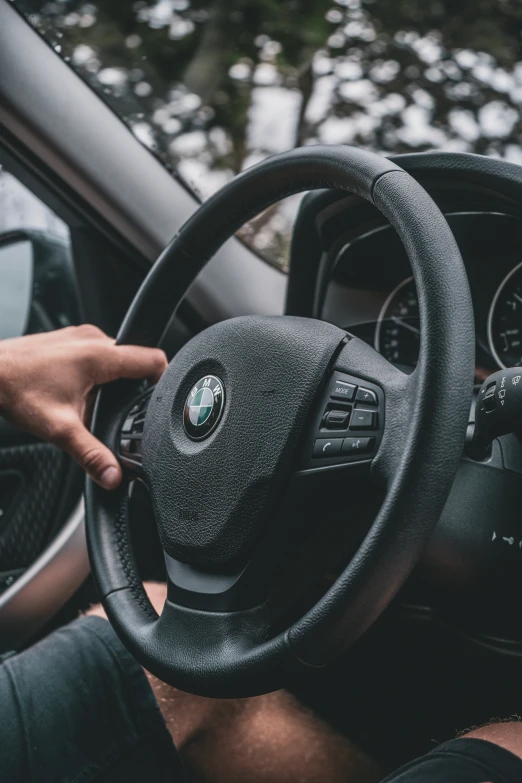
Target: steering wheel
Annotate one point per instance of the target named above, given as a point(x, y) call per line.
point(256, 424)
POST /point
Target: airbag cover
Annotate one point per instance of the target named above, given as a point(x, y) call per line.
point(210, 497)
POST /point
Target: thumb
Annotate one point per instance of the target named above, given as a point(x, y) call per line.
point(97, 460)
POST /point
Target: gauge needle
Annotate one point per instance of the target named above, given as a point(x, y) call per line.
point(517, 297)
point(400, 322)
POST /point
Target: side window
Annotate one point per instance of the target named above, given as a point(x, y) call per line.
point(38, 290)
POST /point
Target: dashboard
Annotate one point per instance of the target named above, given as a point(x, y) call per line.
point(371, 292)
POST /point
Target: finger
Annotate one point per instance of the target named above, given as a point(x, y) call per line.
point(96, 459)
point(131, 361)
point(69, 333)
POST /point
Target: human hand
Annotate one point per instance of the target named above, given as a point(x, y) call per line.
point(47, 382)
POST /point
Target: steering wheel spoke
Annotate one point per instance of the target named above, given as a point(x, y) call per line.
point(360, 415)
point(396, 395)
point(347, 425)
point(131, 436)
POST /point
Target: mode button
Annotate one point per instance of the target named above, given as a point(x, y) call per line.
point(342, 390)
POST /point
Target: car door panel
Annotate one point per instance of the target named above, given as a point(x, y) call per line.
point(39, 484)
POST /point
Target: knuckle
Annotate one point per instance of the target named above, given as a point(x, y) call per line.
point(160, 358)
point(89, 330)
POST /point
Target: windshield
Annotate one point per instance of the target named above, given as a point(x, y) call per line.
point(213, 87)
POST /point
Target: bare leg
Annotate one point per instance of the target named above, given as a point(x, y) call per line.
point(266, 739)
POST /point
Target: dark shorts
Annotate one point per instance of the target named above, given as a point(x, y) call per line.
point(462, 761)
point(77, 707)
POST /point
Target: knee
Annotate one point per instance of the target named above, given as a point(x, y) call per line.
point(507, 734)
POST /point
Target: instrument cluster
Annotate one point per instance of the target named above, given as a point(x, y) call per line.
point(397, 333)
point(373, 277)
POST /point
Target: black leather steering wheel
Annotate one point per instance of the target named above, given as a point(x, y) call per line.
point(237, 441)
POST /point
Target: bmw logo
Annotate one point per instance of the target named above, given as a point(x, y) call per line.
point(203, 407)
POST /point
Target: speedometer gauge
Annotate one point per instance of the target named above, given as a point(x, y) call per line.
point(397, 335)
point(505, 321)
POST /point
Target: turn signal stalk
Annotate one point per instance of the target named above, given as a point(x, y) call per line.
point(498, 411)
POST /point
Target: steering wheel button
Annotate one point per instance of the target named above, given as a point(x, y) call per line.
point(337, 420)
point(127, 427)
point(357, 445)
point(324, 448)
point(363, 420)
point(366, 395)
point(343, 391)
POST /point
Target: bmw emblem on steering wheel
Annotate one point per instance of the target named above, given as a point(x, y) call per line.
point(203, 407)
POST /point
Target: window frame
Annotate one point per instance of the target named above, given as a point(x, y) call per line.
point(58, 126)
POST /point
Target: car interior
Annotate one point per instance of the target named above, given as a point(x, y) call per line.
point(356, 543)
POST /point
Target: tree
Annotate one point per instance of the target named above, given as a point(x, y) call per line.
point(213, 86)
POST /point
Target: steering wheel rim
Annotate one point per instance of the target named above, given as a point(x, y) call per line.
point(217, 653)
